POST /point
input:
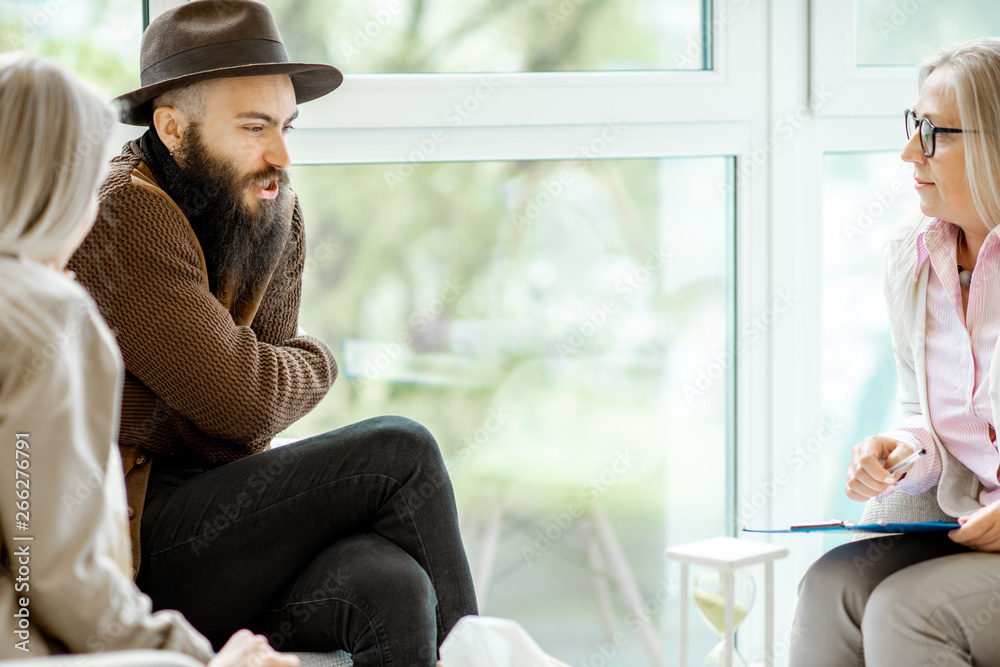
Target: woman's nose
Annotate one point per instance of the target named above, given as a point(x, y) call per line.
point(913, 151)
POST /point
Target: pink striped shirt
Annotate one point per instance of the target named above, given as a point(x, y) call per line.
point(958, 352)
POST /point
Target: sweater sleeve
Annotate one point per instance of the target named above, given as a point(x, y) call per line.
point(73, 543)
point(926, 472)
point(179, 341)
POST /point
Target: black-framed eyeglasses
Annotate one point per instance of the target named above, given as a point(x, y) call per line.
point(927, 131)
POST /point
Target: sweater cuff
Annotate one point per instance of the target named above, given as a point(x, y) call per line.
point(923, 474)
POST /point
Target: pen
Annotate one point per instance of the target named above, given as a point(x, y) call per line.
point(907, 462)
point(832, 523)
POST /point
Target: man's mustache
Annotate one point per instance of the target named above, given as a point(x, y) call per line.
point(279, 175)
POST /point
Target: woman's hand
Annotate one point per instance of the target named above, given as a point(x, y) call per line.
point(245, 649)
point(980, 530)
point(867, 474)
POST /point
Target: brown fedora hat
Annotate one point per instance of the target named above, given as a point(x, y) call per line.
point(211, 39)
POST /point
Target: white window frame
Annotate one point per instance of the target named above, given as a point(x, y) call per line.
point(861, 111)
point(862, 90)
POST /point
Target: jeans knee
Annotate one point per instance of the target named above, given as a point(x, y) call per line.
point(417, 459)
point(388, 600)
point(411, 439)
point(405, 599)
point(415, 586)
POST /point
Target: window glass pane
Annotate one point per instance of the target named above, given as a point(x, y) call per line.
point(904, 32)
point(97, 39)
point(496, 35)
point(864, 196)
point(555, 325)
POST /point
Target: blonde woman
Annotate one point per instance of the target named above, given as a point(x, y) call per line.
point(65, 583)
point(931, 599)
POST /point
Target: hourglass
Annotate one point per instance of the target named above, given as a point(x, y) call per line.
point(711, 590)
point(722, 593)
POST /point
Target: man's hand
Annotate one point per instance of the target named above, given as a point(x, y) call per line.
point(980, 530)
point(867, 474)
point(245, 649)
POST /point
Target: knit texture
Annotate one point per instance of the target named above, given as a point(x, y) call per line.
point(196, 382)
point(335, 659)
point(899, 507)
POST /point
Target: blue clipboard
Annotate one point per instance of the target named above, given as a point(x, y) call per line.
point(849, 527)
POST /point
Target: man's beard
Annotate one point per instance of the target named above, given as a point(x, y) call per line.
point(241, 245)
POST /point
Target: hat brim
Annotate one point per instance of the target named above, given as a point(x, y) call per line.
point(310, 81)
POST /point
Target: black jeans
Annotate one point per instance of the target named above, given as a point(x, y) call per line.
point(347, 540)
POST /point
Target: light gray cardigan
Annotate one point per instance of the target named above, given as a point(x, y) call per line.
point(60, 384)
point(958, 490)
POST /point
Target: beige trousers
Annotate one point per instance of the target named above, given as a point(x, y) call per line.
point(901, 600)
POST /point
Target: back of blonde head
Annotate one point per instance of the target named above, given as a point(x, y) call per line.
point(974, 69)
point(52, 141)
point(52, 137)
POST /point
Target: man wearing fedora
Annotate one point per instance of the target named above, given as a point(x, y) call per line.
point(347, 540)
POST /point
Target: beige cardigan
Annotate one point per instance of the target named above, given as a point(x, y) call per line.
point(61, 385)
point(958, 490)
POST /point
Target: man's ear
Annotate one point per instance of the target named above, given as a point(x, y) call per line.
point(170, 124)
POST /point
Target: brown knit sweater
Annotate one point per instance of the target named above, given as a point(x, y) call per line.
point(216, 380)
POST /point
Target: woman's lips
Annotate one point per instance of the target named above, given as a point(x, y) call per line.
point(266, 191)
point(922, 184)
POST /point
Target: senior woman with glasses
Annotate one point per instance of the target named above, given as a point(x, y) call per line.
point(930, 599)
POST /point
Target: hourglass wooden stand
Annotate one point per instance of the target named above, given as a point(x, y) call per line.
point(728, 554)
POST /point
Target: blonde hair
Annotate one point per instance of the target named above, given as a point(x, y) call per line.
point(975, 77)
point(52, 142)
